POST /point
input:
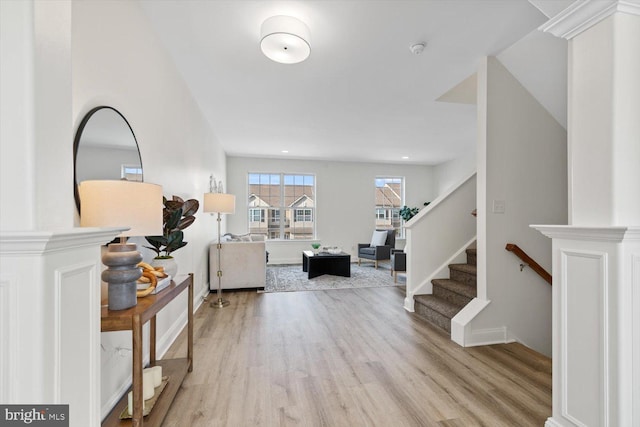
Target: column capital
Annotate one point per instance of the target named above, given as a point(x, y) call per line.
point(583, 14)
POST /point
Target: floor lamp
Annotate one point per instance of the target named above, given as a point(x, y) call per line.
point(219, 203)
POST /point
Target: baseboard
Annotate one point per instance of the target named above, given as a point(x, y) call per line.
point(409, 304)
point(487, 336)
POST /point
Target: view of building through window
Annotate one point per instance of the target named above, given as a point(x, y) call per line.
point(389, 201)
point(282, 206)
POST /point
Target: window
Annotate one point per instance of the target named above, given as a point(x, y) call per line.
point(389, 200)
point(286, 203)
point(301, 215)
point(131, 172)
point(256, 215)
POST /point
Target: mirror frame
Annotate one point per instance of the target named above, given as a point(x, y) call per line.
point(76, 144)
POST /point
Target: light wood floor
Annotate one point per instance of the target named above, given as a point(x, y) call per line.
point(349, 358)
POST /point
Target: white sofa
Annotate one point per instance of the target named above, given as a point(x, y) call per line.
point(244, 265)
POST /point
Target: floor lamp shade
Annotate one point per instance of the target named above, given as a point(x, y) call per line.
point(136, 205)
point(220, 203)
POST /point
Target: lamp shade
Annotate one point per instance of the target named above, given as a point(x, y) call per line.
point(285, 39)
point(137, 205)
point(220, 203)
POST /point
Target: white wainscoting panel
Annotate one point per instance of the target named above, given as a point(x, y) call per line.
point(635, 297)
point(583, 300)
point(77, 339)
point(7, 338)
point(50, 319)
point(596, 325)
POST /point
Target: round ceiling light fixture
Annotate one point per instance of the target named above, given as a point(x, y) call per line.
point(285, 39)
point(417, 48)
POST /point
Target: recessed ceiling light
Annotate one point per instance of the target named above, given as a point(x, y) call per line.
point(285, 151)
point(405, 157)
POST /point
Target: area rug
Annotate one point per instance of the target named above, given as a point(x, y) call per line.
point(289, 278)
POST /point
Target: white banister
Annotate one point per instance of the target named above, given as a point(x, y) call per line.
point(438, 236)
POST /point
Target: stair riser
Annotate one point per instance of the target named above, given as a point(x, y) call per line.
point(461, 276)
point(452, 297)
point(433, 317)
point(472, 259)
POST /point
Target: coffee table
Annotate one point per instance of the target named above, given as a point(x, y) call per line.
point(326, 263)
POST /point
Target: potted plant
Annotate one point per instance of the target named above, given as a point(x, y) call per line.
point(407, 213)
point(177, 215)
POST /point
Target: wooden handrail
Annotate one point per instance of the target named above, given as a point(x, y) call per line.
point(529, 261)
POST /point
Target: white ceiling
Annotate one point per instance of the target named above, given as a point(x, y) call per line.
point(362, 95)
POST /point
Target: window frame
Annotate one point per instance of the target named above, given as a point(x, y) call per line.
point(391, 214)
point(282, 216)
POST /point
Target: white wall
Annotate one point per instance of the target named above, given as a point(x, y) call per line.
point(522, 160)
point(449, 174)
point(36, 116)
point(118, 61)
point(16, 115)
point(345, 199)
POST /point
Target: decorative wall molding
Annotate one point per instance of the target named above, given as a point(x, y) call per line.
point(16, 243)
point(593, 289)
point(73, 332)
point(584, 14)
point(8, 327)
point(635, 332)
point(602, 234)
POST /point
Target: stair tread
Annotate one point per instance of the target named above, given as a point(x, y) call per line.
point(472, 251)
point(467, 268)
point(440, 305)
point(457, 287)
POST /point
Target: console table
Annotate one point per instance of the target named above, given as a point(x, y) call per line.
point(133, 319)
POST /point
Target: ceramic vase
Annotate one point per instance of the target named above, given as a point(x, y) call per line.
point(169, 264)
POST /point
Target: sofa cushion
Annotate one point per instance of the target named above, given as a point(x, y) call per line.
point(368, 251)
point(378, 238)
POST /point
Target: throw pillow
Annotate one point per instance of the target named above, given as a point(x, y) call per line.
point(378, 238)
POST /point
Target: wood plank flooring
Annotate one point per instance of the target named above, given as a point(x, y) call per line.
point(349, 358)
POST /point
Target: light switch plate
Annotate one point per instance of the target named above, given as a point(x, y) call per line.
point(498, 206)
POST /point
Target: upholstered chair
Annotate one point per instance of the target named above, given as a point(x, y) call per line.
point(398, 263)
point(379, 249)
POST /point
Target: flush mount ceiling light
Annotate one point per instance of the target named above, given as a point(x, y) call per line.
point(285, 39)
point(417, 48)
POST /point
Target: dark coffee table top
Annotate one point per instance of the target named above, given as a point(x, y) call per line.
point(327, 254)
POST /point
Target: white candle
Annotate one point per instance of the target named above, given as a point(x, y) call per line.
point(157, 375)
point(130, 404)
point(148, 390)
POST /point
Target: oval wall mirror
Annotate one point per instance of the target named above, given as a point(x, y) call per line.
point(105, 147)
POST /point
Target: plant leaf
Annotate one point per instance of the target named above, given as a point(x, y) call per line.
point(190, 207)
point(185, 222)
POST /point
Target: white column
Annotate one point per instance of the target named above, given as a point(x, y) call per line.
point(50, 319)
point(596, 260)
point(603, 110)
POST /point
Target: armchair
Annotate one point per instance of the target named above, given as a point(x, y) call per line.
point(398, 263)
point(378, 249)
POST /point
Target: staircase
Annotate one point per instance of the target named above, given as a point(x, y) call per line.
point(449, 295)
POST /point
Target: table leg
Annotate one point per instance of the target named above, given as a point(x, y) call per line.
point(152, 341)
point(190, 325)
point(137, 416)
